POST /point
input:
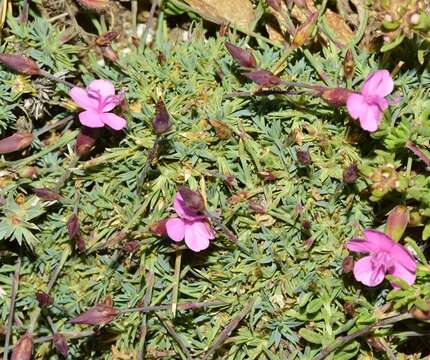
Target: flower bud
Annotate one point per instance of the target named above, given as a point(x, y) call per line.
point(60, 344)
point(349, 309)
point(348, 64)
point(15, 142)
point(97, 315)
point(80, 243)
point(335, 96)
point(275, 4)
point(73, 226)
point(109, 53)
point(28, 172)
point(86, 140)
point(348, 264)
point(159, 228)
point(305, 30)
point(243, 57)
point(350, 174)
point(256, 207)
point(46, 194)
point(94, 4)
point(397, 221)
point(44, 299)
point(376, 344)
point(263, 78)
point(106, 38)
point(192, 200)
point(131, 246)
point(23, 348)
point(161, 123)
point(20, 64)
point(303, 157)
point(267, 175)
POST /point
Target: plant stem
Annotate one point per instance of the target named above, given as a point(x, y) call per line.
point(146, 301)
point(176, 279)
point(55, 78)
point(15, 281)
point(186, 306)
point(148, 25)
point(417, 151)
point(347, 338)
point(57, 124)
point(67, 173)
point(149, 160)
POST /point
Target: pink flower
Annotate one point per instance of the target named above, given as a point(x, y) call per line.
point(385, 257)
point(369, 105)
point(189, 225)
point(98, 99)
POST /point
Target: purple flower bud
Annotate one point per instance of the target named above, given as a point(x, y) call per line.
point(397, 221)
point(20, 64)
point(335, 96)
point(80, 243)
point(106, 38)
point(256, 207)
point(161, 123)
point(350, 174)
point(97, 315)
point(15, 142)
point(23, 348)
point(263, 78)
point(47, 194)
point(267, 175)
point(44, 299)
point(348, 64)
point(348, 264)
point(159, 228)
point(275, 4)
point(86, 140)
point(349, 309)
point(131, 246)
point(73, 226)
point(192, 200)
point(60, 344)
point(243, 57)
point(303, 157)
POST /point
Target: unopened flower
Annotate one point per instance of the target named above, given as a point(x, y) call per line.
point(243, 57)
point(23, 348)
point(44, 299)
point(60, 344)
point(263, 78)
point(350, 174)
point(303, 157)
point(369, 105)
point(161, 123)
point(189, 225)
point(99, 314)
point(86, 140)
point(15, 142)
point(385, 257)
point(192, 200)
point(20, 64)
point(94, 4)
point(397, 221)
point(98, 99)
point(47, 194)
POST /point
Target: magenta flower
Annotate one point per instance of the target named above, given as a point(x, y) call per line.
point(369, 105)
point(98, 99)
point(385, 257)
point(189, 225)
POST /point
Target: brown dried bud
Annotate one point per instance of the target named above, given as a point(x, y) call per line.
point(28, 172)
point(243, 57)
point(159, 228)
point(20, 64)
point(375, 343)
point(348, 64)
point(303, 157)
point(275, 4)
point(106, 38)
point(305, 30)
point(94, 4)
point(335, 96)
point(80, 243)
point(44, 299)
point(349, 309)
point(109, 53)
point(258, 208)
point(60, 344)
point(263, 78)
point(192, 200)
point(161, 123)
point(86, 140)
point(267, 175)
point(23, 348)
point(73, 226)
point(222, 129)
point(397, 221)
point(15, 142)
point(306, 225)
point(131, 246)
point(350, 174)
point(348, 264)
point(46, 194)
point(97, 315)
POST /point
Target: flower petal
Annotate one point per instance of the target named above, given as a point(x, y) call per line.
point(114, 121)
point(356, 105)
point(364, 272)
point(91, 119)
point(104, 87)
point(184, 212)
point(401, 272)
point(371, 118)
point(378, 83)
point(375, 241)
point(81, 98)
point(175, 229)
point(197, 235)
point(403, 257)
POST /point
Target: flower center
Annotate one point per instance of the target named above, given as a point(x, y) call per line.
point(382, 261)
